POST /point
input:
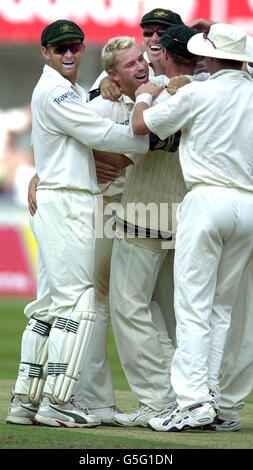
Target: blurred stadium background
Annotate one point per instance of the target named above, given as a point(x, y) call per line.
point(21, 23)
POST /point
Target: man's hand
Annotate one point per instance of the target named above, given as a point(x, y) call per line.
point(149, 88)
point(105, 173)
point(109, 89)
point(177, 82)
point(32, 205)
point(201, 25)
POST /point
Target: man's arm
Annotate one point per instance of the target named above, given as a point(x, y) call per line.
point(138, 124)
point(109, 89)
point(108, 165)
point(177, 82)
point(67, 113)
point(105, 173)
point(144, 97)
point(105, 87)
point(32, 204)
point(201, 25)
point(114, 160)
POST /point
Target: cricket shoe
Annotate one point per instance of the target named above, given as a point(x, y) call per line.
point(73, 414)
point(225, 425)
point(141, 416)
point(20, 412)
point(195, 417)
point(106, 414)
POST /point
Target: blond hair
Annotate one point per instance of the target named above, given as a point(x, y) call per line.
point(111, 49)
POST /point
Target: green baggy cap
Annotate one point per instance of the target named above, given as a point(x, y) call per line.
point(60, 30)
point(175, 39)
point(160, 16)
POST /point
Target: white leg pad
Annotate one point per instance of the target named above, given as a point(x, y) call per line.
point(68, 345)
point(33, 366)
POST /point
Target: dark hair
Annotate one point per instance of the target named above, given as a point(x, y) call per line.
point(180, 60)
point(236, 64)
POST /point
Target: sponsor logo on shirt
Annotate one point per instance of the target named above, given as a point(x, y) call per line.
point(68, 94)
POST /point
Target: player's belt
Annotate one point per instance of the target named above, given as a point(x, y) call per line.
point(142, 232)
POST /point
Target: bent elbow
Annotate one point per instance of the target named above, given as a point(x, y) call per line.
point(138, 129)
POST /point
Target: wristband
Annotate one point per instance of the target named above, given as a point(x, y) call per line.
point(144, 98)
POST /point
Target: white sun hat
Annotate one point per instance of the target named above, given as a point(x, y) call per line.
point(223, 41)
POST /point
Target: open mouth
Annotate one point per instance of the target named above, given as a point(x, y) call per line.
point(143, 76)
point(68, 65)
point(155, 48)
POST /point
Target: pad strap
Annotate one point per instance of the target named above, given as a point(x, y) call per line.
point(30, 370)
point(39, 327)
point(66, 324)
point(56, 368)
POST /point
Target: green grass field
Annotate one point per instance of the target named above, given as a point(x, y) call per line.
point(36, 437)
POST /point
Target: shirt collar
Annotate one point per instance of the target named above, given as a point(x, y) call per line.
point(151, 70)
point(231, 73)
point(146, 57)
point(56, 76)
point(60, 80)
point(125, 99)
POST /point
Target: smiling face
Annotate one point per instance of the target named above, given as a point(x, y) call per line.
point(131, 70)
point(154, 51)
point(65, 62)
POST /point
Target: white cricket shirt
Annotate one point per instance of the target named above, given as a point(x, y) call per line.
point(216, 119)
point(119, 111)
point(64, 130)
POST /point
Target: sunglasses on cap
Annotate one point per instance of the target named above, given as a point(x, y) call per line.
point(174, 39)
point(61, 49)
point(148, 31)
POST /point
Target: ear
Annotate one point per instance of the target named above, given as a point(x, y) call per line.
point(82, 49)
point(166, 54)
point(113, 76)
point(45, 54)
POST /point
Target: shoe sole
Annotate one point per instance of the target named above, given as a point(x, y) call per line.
point(201, 424)
point(22, 421)
point(57, 423)
point(105, 423)
point(130, 425)
point(198, 424)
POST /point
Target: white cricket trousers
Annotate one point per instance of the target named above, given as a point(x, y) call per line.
point(140, 338)
point(96, 383)
point(214, 245)
point(63, 227)
point(236, 377)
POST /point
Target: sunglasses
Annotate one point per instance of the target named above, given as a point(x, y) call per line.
point(148, 31)
point(61, 49)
